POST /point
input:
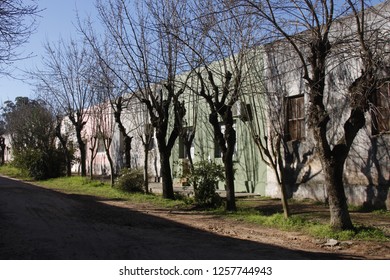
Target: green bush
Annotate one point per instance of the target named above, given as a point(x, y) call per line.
point(204, 178)
point(41, 165)
point(130, 180)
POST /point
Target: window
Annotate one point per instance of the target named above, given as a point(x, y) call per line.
point(243, 111)
point(217, 148)
point(100, 145)
point(149, 135)
point(295, 126)
point(188, 132)
point(381, 110)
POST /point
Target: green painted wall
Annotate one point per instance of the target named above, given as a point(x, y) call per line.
point(251, 171)
point(250, 175)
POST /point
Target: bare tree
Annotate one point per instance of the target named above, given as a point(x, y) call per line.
point(106, 130)
point(92, 128)
point(370, 32)
point(3, 146)
point(17, 23)
point(189, 126)
point(289, 22)
point(149, 54)
point(119, 104)
point(267, 126)
point(106, 111)
point(309, 29)
point(64, 136)
point(69, 69)
point(221, 38)
point(119, 97)
point(140, 121)
point(369, 92)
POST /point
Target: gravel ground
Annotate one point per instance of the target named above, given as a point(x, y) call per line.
point(37, 223)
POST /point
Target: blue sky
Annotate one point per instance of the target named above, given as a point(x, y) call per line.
point(57, 20)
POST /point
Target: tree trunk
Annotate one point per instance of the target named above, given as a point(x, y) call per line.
point(68, 164)
point(93, 142)
point(280, 163)
point(188, 151)
point(338, 207)
point(111, 165)
point(165, 147)
point(2, 154)
point(160, 122)
point(332, 162)
point(229, 185)
point(83, 156)
point(118, 107)
point(68, 160)
point(188, 137)
point(79, 125)
point(146, 159)
point(127, 140)
point(283, 196)
point(91, 160)
point(227, 158)
point(226, 142)
point(67, 154)
point(167, 182)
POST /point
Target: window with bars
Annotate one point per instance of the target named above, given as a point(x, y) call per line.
point(295, 123)
point(381, 110)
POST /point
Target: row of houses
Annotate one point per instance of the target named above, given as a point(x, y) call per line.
point(278, 74)
point(278, 83)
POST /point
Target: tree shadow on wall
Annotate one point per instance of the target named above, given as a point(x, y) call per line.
point(295, 162)
point(376, 170)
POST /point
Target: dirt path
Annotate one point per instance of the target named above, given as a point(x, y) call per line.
point(36, 223)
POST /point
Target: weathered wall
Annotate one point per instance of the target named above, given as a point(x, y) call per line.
point(367, 172)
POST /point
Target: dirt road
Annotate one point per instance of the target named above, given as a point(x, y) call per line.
point(37, 223)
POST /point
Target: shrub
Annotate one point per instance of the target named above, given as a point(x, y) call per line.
point(130, 180)
point(39, 164)
point(204, 178)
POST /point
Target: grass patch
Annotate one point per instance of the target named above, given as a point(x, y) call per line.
point(370, 233)
point(11, 171)
point(295, 223)
point(382, 212)
point(85, 186)
point(305, 225)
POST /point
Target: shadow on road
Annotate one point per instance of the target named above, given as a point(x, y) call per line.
point(37, 223)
